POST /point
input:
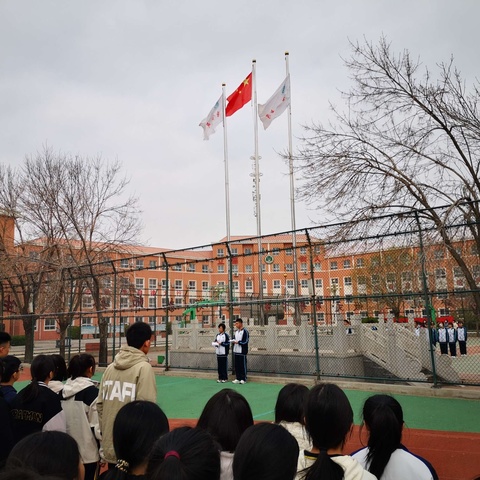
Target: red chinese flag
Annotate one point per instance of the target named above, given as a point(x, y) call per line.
point(241, 96)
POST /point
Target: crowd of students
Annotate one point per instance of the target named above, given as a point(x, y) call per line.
point(58, 435)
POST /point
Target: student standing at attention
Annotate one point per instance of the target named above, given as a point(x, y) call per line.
point(222, 345)
point(240, 350)
point(462, 338)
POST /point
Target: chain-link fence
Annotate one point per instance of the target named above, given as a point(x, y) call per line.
point(394, 299)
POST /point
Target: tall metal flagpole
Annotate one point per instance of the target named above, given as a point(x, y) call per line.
point(292, 194)
point(225, 159)
point(227, 211)
point(257, 196)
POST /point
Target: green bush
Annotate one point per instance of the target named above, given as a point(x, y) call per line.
point(18, 340)
point(370, 320)
point(74, 333)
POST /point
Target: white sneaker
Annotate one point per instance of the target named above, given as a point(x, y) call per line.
point(242, 382)
point(236, 381)
point(219, 381)
point(223, 381)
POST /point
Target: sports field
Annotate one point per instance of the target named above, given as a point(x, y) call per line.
point(446, 431)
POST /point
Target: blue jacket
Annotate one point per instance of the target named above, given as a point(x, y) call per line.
point(464, 329)
point(451, 335)
point(242, 343)
point(225, 344)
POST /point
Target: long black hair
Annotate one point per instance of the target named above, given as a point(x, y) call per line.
point(184, 454)
point(383, 417)
point(136, 427)
point(79, 364)
point(41, 368)
point(226, 416)
point(329, 419)
point(266, 451)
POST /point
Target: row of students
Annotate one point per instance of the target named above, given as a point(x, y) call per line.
point(321, 419)
point(448, 336)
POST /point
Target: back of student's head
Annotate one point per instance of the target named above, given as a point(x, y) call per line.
point(266, 451)
point(383, 417)
point(60, 372)
point(138, 333)
point(137, 426)
point(226, 416)
point(290, 406)
point(184, 454)
point(5, 338)
point(47, 453)
point(23, 473)
point(10, 365)
point(41, 370)
point(80, 364)
point(328, 419)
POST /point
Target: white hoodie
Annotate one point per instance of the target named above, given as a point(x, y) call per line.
point(80, 407)
point(352, 469)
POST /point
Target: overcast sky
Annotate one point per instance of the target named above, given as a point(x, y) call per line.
point(131, 80)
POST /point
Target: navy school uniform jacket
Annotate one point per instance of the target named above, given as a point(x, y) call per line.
point(223, 347)
point(44, 412)
point(242, 336)
point(451, 335)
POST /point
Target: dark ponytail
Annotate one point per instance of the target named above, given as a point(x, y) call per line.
point(40, 369)
point(184, 454)
point(79, 364)
point(328, 419)
point(383, 416)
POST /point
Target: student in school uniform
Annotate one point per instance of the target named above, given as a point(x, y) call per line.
point(222, 346)
point(452, 339)
point(240, 349)
point(442, 339)
point(462, 338)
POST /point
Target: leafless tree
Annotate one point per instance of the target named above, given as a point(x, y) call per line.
point(405, 141)
point(77, 213)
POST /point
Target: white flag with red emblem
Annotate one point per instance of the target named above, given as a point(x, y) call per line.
point(276, 104)
point(213, 119)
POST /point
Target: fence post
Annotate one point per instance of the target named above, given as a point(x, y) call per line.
point(314, 306)
point(167, 310)
point(426, 296)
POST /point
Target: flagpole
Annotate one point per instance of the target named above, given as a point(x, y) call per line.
point(225, 160)
point(292, 191)
point(257, 196)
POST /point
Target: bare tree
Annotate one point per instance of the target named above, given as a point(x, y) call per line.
point(77, 212)
point(406, 141)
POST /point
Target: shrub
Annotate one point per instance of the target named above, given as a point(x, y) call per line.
point(370, 320)
point(17, 340)
point(74, 333)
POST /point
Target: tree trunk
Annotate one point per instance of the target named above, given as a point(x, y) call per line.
point(103, 331)
point(29, 327)
point(63, 329)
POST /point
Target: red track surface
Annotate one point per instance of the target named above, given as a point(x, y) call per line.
point(455, 455)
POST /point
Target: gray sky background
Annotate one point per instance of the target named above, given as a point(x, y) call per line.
point(131, 80)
